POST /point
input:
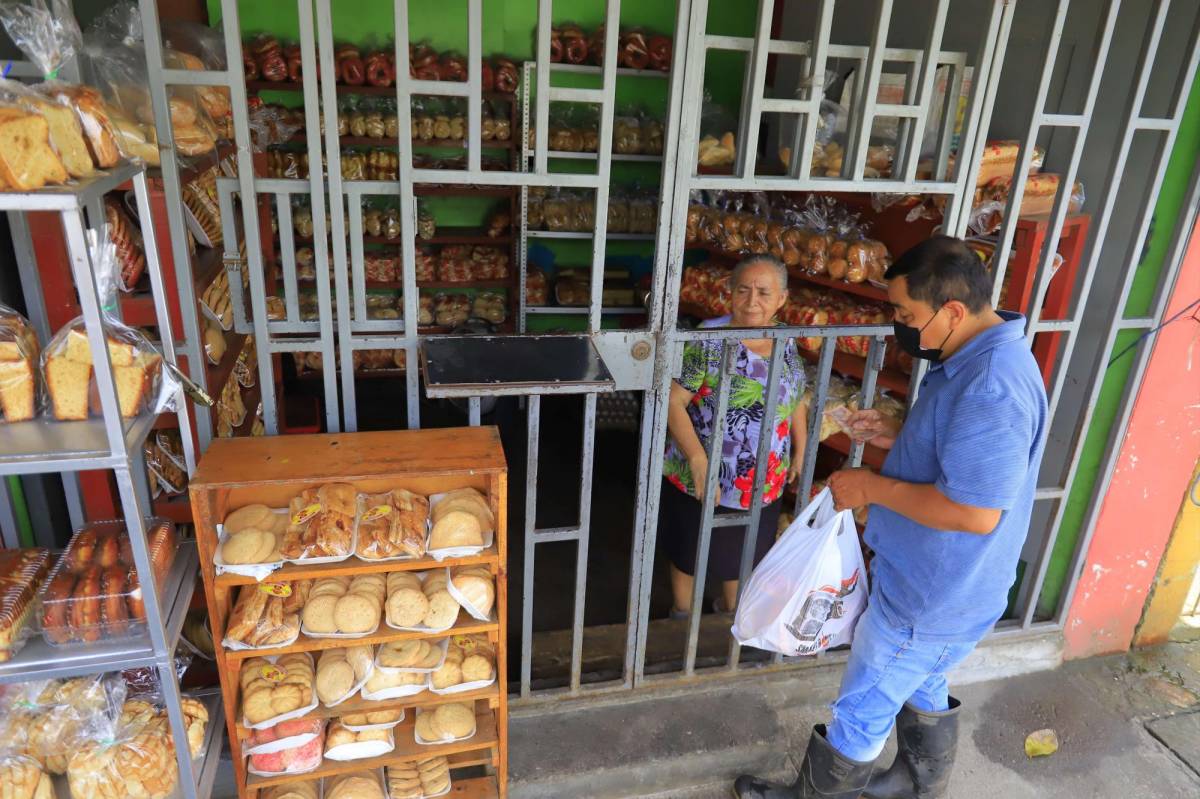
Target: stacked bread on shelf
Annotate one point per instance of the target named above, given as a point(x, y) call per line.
point(69, 374)
point(322, 522)
point(413, 602)
point(460, 518)
point(469, 659)
point(339, 670)
point(344, 605)
point(268, 614)
point(392, 524)
point(19, 355)
point(275, 689)
point(415, 779)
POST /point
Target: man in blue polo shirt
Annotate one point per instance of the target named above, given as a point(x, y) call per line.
point(949, 514)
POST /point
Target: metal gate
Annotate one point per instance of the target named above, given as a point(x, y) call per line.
point(644, 361)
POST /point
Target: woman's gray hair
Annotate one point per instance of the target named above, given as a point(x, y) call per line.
point(753, 260)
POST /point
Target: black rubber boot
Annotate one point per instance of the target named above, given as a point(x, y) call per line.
point(924, 755)
point(824, 774)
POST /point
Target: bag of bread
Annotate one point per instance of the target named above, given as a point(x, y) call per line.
point(474, 588)
point(463, 524)
point(266, 615)
point(249, 541)
point(284, 735)
point(391, 526)
point(289, 760)
point(448, 723)
point(20, 374)
point(277, 688)
point(193, 46)
point(144, 383)
point(717, 147)
point(127, 238)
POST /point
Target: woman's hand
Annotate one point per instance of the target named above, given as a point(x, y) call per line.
point(874, 428)
point(699, 466)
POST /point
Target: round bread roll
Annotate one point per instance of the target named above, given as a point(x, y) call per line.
point(249, 516)
point(362, 658)
point(432, 660)
point(397, 580)
point(407, 607)
point(455, 720)
point(476, 668)
point(403, 654)
point(374, 735)
point(443, 611)
point(448, 676)
point(339, 736)
point(319, 614)
point(354, 786)
point(426, 728)
point(248, 546)
point(479, 592)
point(356, 719)
point(286, 698)
point(436, 787)
point(385, 716)
point(334, 680)
point(456, 529)
point(355, 613)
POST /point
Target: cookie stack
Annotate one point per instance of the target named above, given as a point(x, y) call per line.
point(413, 602)
point(445, 723)
point(419, 778)
point(345, 605)
point(414, 655)
point(254, 535)
point(268, 614)
point(469, 659)
point(339, 670)
point(273, 689)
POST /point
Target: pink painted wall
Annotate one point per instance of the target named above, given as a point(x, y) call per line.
point(1156, 460)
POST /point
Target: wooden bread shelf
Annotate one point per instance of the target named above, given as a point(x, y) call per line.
point(271, 470)
point(352, 566)
point(406, 749)
point(465, 625)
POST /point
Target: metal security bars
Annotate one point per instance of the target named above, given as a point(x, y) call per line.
point(937, 54)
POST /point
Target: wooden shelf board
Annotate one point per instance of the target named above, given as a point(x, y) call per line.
point(409, 703)
point(466, 625)
point(406, 749)
point(352, 566)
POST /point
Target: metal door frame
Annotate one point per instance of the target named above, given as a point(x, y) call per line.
point(682, 132)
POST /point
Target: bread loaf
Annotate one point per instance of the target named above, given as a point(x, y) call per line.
point(18, 355)
point(65, 135)
point(93, 114)
point(27, 161)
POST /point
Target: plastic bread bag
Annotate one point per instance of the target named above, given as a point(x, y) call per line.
point(294, 760)
point(283, 736)
point(115, 59)
point(652, 133)
point(142, 382)
point(127, 238)
point(448, 723)
point(23, 570)
point(266, 615)
point(21, 397)
point(271, 125)
point(717, 145)
point(46, 32)
point(164, 473)
point(193, 46)
point(627, 133)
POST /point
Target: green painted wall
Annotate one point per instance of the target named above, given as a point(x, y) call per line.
point(1166, 213)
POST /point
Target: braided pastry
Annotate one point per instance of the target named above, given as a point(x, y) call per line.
point(273, 67)
point(379, 71)
point(422, 62)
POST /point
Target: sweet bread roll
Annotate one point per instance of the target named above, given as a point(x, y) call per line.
point(443, 611)
point(477, 668)
point(407, 607)
point(456, 529)
point(479, 592)
point(249, 516)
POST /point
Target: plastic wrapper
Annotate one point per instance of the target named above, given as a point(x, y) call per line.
point(272, 125)
point(141, 381)
point(22, 572)
point(341, 673)
point(24, 777)
point(357, 785)
point(127, 238)
point(419, 779)
point(166, 472)
point(451, 310)
point(394, 524)
point(536, 287)
point(490, 307)
point(557, 211)
point(286, 735)
point(267, 615)
point(94, 592)
point(717, 147)
point(20, 378)
point(275, 689)
point(425, 312)
point(627, 135)
point(145, 681)
point(47, 720)
point(299, 759)
point(470, 664)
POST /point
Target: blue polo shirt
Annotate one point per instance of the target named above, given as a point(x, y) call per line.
point(976, 431)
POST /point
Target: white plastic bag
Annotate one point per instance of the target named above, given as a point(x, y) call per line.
point(808, 592)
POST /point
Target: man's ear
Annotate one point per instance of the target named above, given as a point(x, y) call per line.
point(957, 310)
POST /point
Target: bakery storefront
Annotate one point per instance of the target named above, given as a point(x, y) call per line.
point(362, 344)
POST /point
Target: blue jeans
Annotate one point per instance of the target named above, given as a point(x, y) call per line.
point(888, 667)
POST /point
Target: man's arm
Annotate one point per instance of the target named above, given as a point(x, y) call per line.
point(921, 502)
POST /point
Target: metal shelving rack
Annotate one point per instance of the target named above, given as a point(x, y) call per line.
point(45, 445)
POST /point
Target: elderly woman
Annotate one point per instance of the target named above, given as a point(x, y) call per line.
point(759, 286)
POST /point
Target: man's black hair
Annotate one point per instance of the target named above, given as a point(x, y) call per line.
point(942, 269)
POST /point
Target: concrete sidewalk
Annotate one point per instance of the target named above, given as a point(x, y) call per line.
point(1129, 728)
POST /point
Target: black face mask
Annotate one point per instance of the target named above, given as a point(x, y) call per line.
point(909, 339)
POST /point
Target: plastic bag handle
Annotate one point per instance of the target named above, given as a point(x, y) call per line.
point(818, 503)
